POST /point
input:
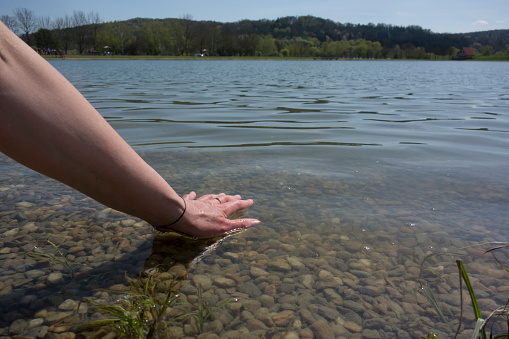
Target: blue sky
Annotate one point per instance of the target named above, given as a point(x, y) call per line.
point(441, 16)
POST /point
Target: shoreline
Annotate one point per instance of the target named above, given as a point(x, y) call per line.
point(275, 58)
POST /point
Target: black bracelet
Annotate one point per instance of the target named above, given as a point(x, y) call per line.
point(176, 221)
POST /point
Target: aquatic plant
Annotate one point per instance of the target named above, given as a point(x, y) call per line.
point(480, 323)
point(53, 260)
point(140, 313)
point(204, 311)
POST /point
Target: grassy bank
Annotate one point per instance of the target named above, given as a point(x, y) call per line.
point(168, 57)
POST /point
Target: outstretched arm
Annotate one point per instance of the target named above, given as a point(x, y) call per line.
point(47, 125)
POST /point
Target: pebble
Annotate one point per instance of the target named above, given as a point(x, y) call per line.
point(283, 318)
point(224, 282)
point(308, 280)
point(322, 330)
point(18, 326)
point(202, 280)
point(68, 305)
point(55, 278)
point(258, 272)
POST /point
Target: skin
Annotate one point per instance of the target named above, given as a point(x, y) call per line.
point(47, 125)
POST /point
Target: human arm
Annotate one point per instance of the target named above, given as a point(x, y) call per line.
point(47, 125)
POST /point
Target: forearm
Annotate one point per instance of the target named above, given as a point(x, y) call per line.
point(47, 125)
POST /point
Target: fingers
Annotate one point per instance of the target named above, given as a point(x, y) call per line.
point(242, 223)
point(234, 206)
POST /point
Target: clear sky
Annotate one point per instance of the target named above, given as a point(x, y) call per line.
point(440, 16)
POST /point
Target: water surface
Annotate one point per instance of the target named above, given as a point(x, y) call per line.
point(357, 168)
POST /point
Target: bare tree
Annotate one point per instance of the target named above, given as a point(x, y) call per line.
point(45, 22)
point(9, 21)
point(184, 30)
point(62, 29)
point(81, 29)
point(27, 21)
point(95, 22)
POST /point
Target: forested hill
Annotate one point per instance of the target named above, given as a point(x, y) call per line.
point(303, 36)
point(388, 35)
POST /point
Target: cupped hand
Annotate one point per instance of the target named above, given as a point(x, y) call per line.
point(208, 216)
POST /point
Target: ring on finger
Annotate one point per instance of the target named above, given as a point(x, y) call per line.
point(218, 200)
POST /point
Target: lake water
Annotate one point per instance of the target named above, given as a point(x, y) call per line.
point(358, 169)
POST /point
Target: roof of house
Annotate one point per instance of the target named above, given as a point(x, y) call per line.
point(467, 51)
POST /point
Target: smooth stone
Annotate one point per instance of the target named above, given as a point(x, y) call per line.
point(322, 330)
point(370, 290)
point(224, 282)
point(360, 274)
point(325, 276)
point(328, 312)
point(370, 334)
point(11, 232)
point(68, 305)
point(35, 323)
point(306, 333)
point(295, 263)
point(308, 280)
point(64, 335)
point(331, 295)
point(258, 272)
point(28, 299)
point(55, 277)
point(33, 274)
point(202, 280)
point(250, 289)
point(352, 327)
point(266, 300)
point(283, 318)
point(18, 326)
point(307, 316)
point(255, 324)
point(55, 317)
point(75, 249)
point(354, 306)
point(24, 204)
point(279, 264)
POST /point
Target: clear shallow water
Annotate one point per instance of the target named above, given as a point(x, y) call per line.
point(349, 163)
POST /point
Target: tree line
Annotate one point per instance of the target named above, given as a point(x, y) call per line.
point(304, 36)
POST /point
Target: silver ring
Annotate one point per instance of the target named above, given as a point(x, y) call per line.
point(218, 200)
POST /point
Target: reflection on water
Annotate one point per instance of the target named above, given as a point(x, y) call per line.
point(345, 229)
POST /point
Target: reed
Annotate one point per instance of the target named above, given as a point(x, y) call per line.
point(53, 259)
point(480, 323)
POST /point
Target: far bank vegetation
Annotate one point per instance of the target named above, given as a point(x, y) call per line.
point(304, 36)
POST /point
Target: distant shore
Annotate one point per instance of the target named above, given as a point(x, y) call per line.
point(169, 57)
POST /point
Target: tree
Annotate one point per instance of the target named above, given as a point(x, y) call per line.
point(27, 22)
point(45, 22)
point(486, 50)
point(9, 21)
point(184, 32)
point(95, 21)
point(45, 39)
point(268, 47)
point(124, 35)
point(62, 29)
point(255, 42)
point(452, 51)
point(80, 24)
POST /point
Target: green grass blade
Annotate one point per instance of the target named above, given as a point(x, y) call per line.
point(475, 305)
point(426, 291)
